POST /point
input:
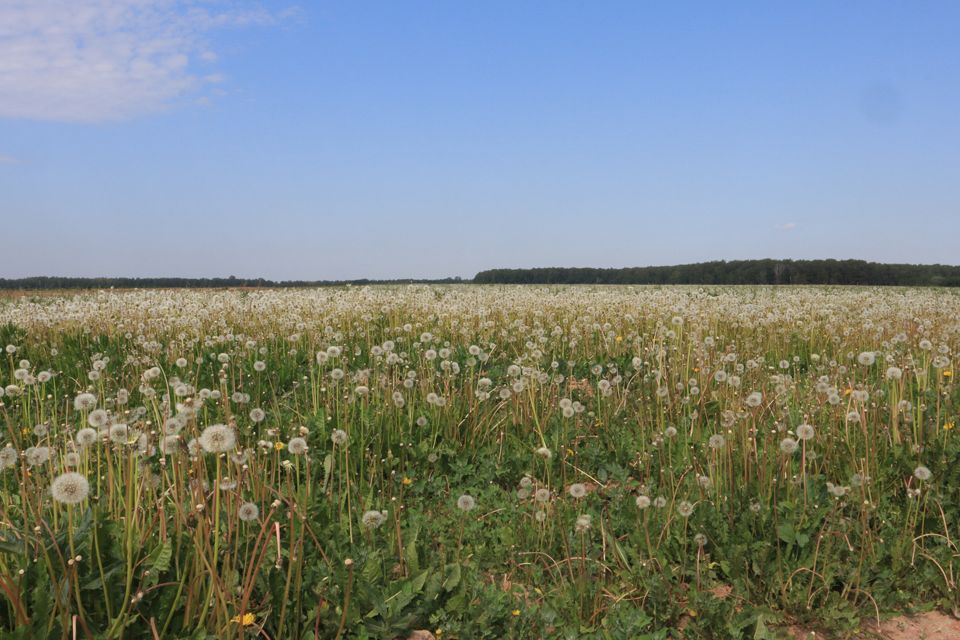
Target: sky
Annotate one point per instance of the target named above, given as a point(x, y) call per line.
point(336, 140)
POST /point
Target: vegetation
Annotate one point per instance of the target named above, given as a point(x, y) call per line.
point(57, 282)
point(770, 272)
point(841, 272)
point(479, 462)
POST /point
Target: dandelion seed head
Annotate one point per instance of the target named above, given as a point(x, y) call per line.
point(70, 488)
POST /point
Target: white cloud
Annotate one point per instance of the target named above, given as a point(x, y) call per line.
point(787, 226)
point(95, 60)
point(8, 160)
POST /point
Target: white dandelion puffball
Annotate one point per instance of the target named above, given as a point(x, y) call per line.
point(789, 446)
point(577, 490)
point(922, 473)
point(297, 446)
point(339, 437)
point(85, 402)
point(218, 438)
point(373, 519)
point(248, 512)
point(70, 488)
point(466, 502)
point(806, 432)
point(583, 523)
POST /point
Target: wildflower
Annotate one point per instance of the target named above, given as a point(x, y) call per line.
point(245, 620)
point(70, 488)
point(583, 523)
point(119, 434)
point(257, 414)
point(577, 490)
point(643, 502)
point(716, 442)
point(85, 402)
point(406, 481)
point(248, 512)
point(867, 358)
point(836, 491)
point(466, 503)
point(86, 437)
point(685, 509)
point(700, 539)
point(789, 446)
point(947, 426)
point(542, 495)
point(754, 399)
point(544, 453)
point(338, 437)
point(373, 519)
point(659, 502)
point(218, 438)
point(297, 446)
point(8, 457)
point(894, 373)
point(36, 456)
point(922, 473)
point(805, 432)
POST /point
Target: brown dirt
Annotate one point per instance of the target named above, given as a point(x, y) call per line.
point(932, 625)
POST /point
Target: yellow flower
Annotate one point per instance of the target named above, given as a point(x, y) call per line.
point(947, 426)
point(947, 373)
point(619, 338)
point(692, 613)
point(515, 613)
point(407, 481)
point(278, 446)
point(245, 620)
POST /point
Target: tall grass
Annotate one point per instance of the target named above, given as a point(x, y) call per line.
point(638, 460)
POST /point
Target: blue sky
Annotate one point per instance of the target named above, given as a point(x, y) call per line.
point(423, 139)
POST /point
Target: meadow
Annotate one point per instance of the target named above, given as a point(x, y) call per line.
point(476, 462)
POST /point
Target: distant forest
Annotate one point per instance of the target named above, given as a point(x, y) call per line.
point(842, 272)
point(53, 282)
point(849, 272)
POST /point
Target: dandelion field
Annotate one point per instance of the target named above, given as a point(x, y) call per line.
point(476, 462)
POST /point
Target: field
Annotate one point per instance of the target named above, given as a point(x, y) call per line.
point(477, 462)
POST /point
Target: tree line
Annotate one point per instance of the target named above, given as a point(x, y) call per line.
point(771, 272)
point(54, 282)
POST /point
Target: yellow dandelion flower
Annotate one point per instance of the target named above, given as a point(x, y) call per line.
point(278, 446)
point(245, 620)
point(947, 373)
point(947, 426)
point(407, 481)
point(515, 613)
point(619, 338)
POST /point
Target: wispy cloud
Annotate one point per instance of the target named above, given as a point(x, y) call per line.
point(787, 226)
point(95, 60)
point(8, 160)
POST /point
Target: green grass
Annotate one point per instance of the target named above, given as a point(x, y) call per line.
point(838, 532)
